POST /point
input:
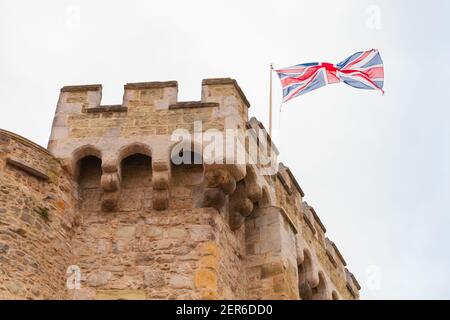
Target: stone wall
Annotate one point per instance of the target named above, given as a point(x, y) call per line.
point(325, 258)
point(177, 254)
point(271, 256)
point(37, 218)
point(108, 200)
point(141, 253)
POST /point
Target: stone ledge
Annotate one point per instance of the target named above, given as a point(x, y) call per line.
point(193, 104)
point(350, 289)
point(316, 217)
point(355, 282)
point(225, 81)
point(331, 258)
point(294, 181)
point(150, 85)
point(351, 280)
point(284, 183)
point(308, 222)
point(78, 88)
point(24, 167)
point(108, 108)
point(339, 254)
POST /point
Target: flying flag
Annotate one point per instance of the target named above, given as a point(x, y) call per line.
point(363, 70)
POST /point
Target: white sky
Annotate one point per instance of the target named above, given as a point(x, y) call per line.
point(374, 167)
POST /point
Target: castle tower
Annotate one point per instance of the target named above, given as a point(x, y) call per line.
point(159, 199)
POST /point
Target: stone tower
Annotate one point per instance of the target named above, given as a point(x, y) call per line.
point(109, 211)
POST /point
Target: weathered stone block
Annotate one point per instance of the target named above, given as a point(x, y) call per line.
point(154, 278)
point(271, 269)
point(4, 248)
point(177, 233)
point(209, 262)
point(126, 232)
point(145, 259)
point(100, 278)
point(178, 281)
point(205, 278)
point(154, 232)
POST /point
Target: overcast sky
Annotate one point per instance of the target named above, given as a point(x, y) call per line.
point(375, 168)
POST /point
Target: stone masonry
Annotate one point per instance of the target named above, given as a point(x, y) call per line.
point(106, 213)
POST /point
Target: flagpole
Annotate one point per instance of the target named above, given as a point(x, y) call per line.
point(270, 101)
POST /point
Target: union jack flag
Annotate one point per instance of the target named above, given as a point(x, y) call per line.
point(363, 70)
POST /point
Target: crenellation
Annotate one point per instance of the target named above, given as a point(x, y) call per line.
point(308, 221)
point(160, 95)
point(352, 285)
point(218, 85)
point(144, 213)
point(258, 125)
point(330, 252)
point(339, 255)
point(317, 219)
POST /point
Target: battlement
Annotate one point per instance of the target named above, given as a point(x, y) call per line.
point(120, 182)
point(148, 109)
point(160, 95)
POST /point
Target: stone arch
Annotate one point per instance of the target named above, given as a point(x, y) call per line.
point(187, 176)
point(133, 148)
point(87, 171)
point(80, 153)
point(320, 292)
point(135, 152)
point(135, 166)
point(136, 171)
